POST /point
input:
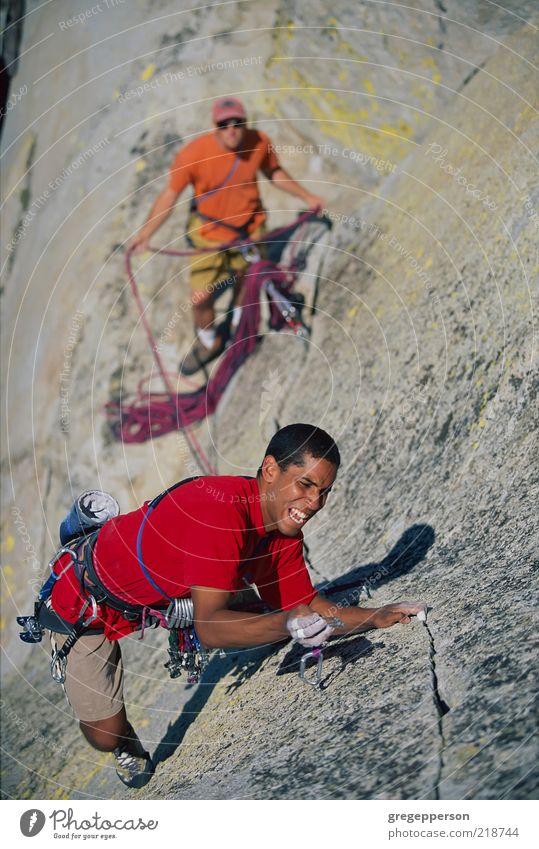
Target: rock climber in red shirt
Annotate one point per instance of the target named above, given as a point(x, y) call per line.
point(202, 539)
point(222, 167)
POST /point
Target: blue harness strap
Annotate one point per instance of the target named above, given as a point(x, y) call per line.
point(142, 565)
point(151, 507)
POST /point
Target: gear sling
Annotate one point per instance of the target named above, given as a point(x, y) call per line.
point(185, 651)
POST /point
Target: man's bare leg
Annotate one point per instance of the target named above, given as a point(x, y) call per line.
point(116, 734)
point(106, 735)
point(204, 319)
point(237, 299)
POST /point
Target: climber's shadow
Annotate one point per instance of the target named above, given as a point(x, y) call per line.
point(241, 665)
point(176, 731)
point(348, 653)
point(407, 553)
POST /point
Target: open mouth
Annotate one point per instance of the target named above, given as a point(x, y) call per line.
point(298, 516)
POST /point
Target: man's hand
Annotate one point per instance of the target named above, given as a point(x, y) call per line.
point(284, 181)
point(391, 614)
point(307, 627)
point(160, 211)
point(313, 201)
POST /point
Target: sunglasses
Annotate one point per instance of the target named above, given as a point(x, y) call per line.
point(234, 122)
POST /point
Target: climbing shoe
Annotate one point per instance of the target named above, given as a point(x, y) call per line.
point(134, 766)
point(199, 356)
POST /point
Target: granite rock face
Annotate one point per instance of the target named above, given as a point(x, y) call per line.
point(419, 127)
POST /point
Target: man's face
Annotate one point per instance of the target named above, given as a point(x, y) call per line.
point(294, 496)
point(230, 133)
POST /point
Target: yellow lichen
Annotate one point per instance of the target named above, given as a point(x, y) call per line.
point(148, 72)
point(8, 544)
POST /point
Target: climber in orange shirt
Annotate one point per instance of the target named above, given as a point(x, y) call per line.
point(222, 167)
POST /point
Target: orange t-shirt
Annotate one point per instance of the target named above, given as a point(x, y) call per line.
point(204, 164)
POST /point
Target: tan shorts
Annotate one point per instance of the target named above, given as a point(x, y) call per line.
point(209, 272)
point(94, 676)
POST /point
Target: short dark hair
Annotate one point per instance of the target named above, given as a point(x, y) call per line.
point(290, 444)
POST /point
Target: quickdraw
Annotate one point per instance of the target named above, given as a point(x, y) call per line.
point(59, 656)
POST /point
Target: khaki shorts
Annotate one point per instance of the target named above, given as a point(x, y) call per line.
point(94, 676)
point(210, 271)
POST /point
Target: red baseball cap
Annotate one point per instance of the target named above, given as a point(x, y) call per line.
point(228, 107)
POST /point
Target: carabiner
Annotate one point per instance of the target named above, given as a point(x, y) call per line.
point(90, 600)
point(313, 681)
point(59, 657)
point(250, 253)
point(55, 559)
point(58, 668)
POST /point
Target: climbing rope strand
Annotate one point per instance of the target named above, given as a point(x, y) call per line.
point(161, 410)
point(272, 236)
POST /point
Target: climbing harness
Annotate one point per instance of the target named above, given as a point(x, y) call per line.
point(59, 656)
point(151, 415)
point(194, 208)
point(32, 625)
point(45, 617)
point(185, 650)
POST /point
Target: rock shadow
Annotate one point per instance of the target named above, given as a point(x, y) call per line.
point(243, 663)
point(177, 730)
point(410, 549)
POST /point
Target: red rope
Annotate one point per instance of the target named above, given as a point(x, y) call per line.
point(152, 414)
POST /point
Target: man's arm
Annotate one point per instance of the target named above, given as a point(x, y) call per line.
point(284, 181)
point(160, 211)
point(358, 619)
point(219, 627)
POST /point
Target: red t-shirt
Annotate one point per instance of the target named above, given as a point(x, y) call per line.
point(208, 532)
point(204, 164)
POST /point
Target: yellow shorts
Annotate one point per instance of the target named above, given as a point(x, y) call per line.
point(211, 272)
point(94, 676)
